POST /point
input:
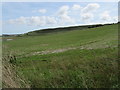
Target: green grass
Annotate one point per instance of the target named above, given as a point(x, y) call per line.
point(95, 65)
point(27, 44)
point(72, 69)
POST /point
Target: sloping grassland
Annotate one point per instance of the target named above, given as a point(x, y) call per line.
point(86, 58)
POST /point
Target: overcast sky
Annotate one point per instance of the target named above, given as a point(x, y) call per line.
point(28, 16)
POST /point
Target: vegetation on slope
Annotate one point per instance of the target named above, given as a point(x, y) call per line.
point(85, 58)
point(10, 78)
point(63, 29)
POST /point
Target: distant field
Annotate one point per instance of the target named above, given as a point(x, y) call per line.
point(100, 36)
point(75, 59)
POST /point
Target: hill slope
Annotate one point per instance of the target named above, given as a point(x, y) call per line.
point(63, 29)
point(84, 58)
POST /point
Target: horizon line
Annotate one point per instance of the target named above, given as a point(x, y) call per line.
point(58, 27)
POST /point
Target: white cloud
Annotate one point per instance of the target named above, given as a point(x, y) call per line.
point(51, 20)
point(76, 7)
point(105, 16)
point(66, 19)
point(115, 18)
point(63, 10)
point(42, 11)
point(87, 13)
point(90, 7)
point(34, 20)
point(37, 21)
point(119, 18)
point(87, 17)
point(21, 20)
point(63, 15)
point(1, 24)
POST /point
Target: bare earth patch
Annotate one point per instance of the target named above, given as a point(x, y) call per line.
point(90, 45)
point(65, 49)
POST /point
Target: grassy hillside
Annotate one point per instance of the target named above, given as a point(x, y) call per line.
point(104, 35)
point(76, 58)
point(62, 29)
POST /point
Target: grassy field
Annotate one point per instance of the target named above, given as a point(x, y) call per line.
point(74, 59)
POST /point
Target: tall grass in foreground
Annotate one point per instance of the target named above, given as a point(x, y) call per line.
point(93, 66)
point(72, 69)
point(10, 79)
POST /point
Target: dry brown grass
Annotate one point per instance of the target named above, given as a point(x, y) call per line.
point(10, 78)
